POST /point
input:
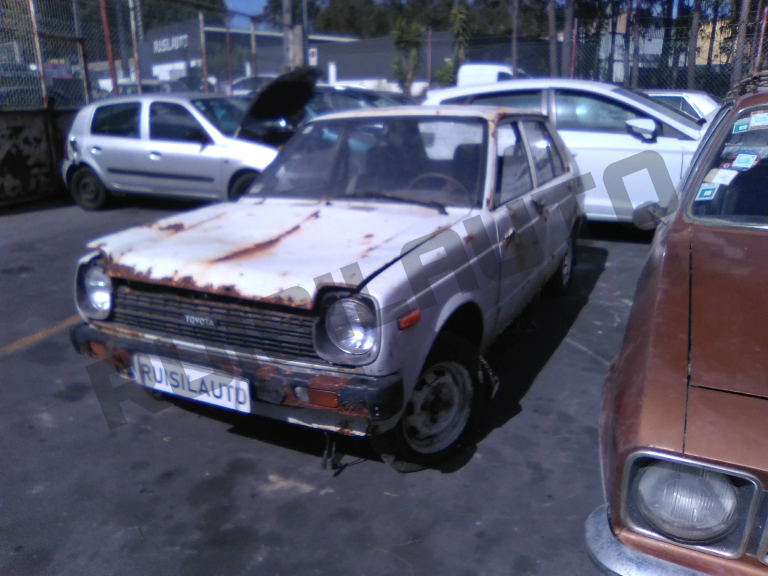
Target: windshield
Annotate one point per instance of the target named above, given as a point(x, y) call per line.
point(224, 113)
point(431, 160)
point(733, 191)
point(657, 106)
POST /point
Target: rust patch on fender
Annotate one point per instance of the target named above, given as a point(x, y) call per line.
point(181, 227)
point(266, 244)
point(178, 227)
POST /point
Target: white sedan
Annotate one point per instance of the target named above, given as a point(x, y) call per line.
point(601, 124)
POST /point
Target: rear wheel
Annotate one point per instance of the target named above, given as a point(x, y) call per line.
point(88, 190)
point(241, 184)
point(561, 281)
point(442, 413)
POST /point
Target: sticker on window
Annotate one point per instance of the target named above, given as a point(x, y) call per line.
point(740, 126)
point(758, 120)
point(720, 176)
point(706, 191)
point(745, 161)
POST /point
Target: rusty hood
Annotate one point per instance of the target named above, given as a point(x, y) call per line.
point(263, 249)
point(729, 310)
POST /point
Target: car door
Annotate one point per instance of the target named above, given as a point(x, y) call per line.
point(114, 147)
point(518, 223)
point(594, 129)
point(181, 157)
point(552, 189)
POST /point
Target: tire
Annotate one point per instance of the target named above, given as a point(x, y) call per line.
point(87, 189)
point(443, 412)
point(560, 283)
point(241, 184)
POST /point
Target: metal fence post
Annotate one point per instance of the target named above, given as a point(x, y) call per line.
point(229, 59)
point(107, 45)
point(136, 64)
point(38, 52)
point(254, 71)
point(203, 54)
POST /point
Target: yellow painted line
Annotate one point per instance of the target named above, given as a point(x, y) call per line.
point(28, 341)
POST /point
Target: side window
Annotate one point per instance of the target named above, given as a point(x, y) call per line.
point(341, 101)
point(675, 102)
point(513, 173)
point(504, 76)
point(591, 113)
point(174, 123)
point(458, 100)
point(525, 100)
point(688, 109)
point(542, 151)
point(117, 120)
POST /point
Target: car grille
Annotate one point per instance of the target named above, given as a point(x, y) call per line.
point(247, 328)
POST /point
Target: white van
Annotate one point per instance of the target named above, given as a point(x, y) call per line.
point(472, 74)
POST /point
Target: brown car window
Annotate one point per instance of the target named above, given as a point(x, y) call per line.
point(733, 190)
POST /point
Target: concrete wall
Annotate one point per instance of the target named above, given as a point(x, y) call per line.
point(31, 144)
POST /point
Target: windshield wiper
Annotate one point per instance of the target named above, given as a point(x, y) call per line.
point(382, 196)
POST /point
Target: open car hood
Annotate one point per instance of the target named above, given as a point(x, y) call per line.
point(278, 108)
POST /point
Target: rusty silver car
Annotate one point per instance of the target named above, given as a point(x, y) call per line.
point(355, 286)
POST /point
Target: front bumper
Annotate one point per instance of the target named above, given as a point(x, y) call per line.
point(614, 558)
point(363, 403)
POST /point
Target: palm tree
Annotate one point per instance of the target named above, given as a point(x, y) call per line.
point(514, 8)
point(693, 40)
point(740, 38)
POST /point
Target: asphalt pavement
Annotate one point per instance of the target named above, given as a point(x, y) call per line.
point(189, 490)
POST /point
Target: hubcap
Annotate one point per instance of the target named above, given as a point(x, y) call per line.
point(88, 189)
point(567, 264)
point(439, 408)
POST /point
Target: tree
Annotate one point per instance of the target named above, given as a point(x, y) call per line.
point(551, 25)
point(740, 39)
point(693, 40)
point(460, 32)
point(636, 45)
point(713, 31)
point(408, 39)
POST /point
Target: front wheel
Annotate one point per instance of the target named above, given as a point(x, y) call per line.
point(442, 412)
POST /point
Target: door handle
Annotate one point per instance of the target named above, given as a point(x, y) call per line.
point(538, 205)
point(96, 150)
point(155, 155)
point(509, 236)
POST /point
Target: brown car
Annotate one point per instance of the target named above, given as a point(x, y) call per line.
point(684, 419)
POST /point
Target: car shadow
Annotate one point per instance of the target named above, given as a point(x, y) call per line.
point(348, 450)
point(617, 232)
point(520, 352)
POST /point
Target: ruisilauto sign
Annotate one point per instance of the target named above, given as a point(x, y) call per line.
point(178, 42)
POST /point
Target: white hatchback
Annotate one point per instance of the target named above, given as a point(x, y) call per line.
point(161, 144)
point(601, 124)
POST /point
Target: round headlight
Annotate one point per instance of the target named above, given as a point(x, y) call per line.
point(351, 326)
point(98, 291)
point(685, 502)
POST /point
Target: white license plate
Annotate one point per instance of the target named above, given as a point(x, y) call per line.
point(194, 382)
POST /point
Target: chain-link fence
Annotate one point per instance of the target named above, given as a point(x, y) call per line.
point(63, 53)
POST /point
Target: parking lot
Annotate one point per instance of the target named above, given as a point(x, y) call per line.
point(189, 490)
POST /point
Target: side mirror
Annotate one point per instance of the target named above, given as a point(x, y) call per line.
point(645, 128)
point(647, 216)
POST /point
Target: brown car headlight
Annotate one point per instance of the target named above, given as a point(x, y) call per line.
point(686, 503)
point(693, 504)
point(93, 290)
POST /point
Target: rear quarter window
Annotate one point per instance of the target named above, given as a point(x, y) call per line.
point(117, 120)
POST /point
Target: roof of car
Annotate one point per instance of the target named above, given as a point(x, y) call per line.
point(165, 96)
point(491, 113)
point(523, 83)
point(755, 99)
